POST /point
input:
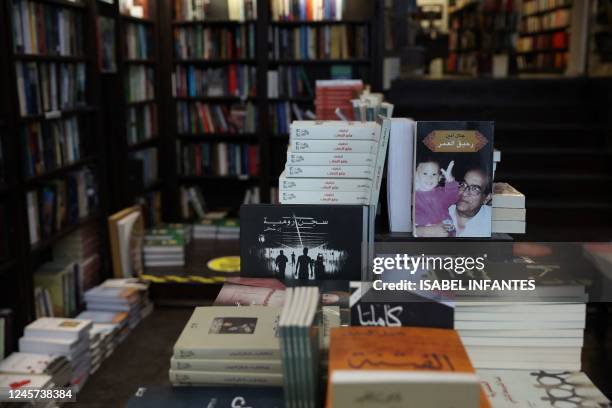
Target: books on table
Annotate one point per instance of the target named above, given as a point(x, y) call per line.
point(427, 367)
point(228, 346)
point(57, 367)
point(509, 214)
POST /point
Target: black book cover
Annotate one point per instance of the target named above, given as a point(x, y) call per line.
point(198, 397)
point(303, 242)
point(453, 179)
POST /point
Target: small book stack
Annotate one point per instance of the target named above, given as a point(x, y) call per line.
point(427, 367)
point(62, 337)
point(145, 306)
point(369, 105)
point(57, 367)
point(299, 345)
point(334, 96)
point(334, 162)
point(164, 245)
point(509, 213)
point(228, 346)
point(115, 299)
point(224, 228)
point(108, 330)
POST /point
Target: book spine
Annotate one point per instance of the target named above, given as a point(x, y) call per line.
point(330, 171)
point(324, 197)
point(231, 366)
point(330, 159)
point(334, 130)
point(385, 130)
point(335, 146)
point(190, 353)
point(322, 184)
point(204, 377)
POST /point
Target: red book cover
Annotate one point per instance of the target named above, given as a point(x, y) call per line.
point(309, 15)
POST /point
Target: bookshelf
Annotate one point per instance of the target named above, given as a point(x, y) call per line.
point(478, 31)
point(262, 55)
point(544, 37)
point(53, 154)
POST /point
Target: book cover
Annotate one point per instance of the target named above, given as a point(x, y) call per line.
point(215, 365)
point(187, 397)
point(453, 179)
point(57, 328)
point(304, 242)
point(539, 389)
point(249, 332)
point(242, 295)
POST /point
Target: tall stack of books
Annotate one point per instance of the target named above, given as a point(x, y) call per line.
point(334, 96)
point(299, 340)
point(62, 337)
point(57, 367)
point(107, 331)
point(333, 162)
point(228, 346)
point(509, 213)
point(164, 245)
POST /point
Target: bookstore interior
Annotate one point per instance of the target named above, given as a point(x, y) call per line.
point(236, 203)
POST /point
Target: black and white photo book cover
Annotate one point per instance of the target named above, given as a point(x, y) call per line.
point(304, 242)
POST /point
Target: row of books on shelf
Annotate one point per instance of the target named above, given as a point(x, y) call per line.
point(41, 28)
point(57, 352)
point(320, 42)
point(198, 117)
point(60, 203)
point(232, 80)
point(289, 82)
point(50, 145)
point(141, 123)
point(220, 159)
point(283, 113)
point(215, 43)
point(233, 10)
point(558, 40)
point(542, 6)
point(550, 21)
point(147, 163)
point(45, 87)
point(307, 10)
point(139, 83)
point(138, 42)
point(555, 61)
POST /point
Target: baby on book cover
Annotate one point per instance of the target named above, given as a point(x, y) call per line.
point(453, 179)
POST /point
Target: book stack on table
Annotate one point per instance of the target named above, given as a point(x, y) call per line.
point(164, 245)
point(509, 213)
point(228, 346)
point(108, 330)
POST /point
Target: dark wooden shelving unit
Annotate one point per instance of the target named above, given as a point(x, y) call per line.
point(17, 272)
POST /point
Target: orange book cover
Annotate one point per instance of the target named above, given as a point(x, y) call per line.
point(397, 349)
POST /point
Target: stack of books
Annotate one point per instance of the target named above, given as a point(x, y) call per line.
point(428, 367)
point(509, 213)
point(210, 228)
point(228, 346)
point(115, 299)
point(334, 96)
point(333, 162)
point(165, 244)
point(108, 330)
point(57, 367)
point(61, 337)
point(145, 305)
point(299, 344)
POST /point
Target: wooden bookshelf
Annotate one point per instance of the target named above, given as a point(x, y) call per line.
point(16, 279)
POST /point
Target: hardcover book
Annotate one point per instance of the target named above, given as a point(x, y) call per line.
point(249, 332)
point(304, 242)
point(453, 179)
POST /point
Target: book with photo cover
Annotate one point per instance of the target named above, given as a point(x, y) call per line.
point(453, 177)
point(305, 242)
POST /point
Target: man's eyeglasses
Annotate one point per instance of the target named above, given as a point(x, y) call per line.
point(470, 189)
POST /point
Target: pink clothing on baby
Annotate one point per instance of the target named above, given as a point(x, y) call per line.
point(431, 207)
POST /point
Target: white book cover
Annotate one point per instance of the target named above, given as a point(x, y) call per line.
point(334, 129)
point(330, 171)
point(98, 317)
point(509, 214)
point(330, 159)
point(509, 227)
point(333, 146)
point(324, 197)
point(26, 363)
point(506, 196)
point(225, 378)
point(47, 346)
point(540, 388)
point(238, 366)
point(323, 184)
point(57, 328)
point(399, 174)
